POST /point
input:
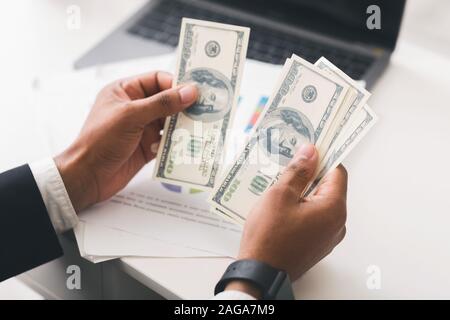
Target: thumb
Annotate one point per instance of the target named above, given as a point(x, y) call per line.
point(166, 103)
point(301, 169)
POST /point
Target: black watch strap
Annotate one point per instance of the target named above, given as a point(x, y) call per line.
point(273, 283)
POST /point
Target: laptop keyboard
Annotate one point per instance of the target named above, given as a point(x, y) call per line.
point(162, 23)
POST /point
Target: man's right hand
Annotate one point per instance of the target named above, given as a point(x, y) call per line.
point(293, 233)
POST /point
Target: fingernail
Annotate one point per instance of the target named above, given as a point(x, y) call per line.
point(154, 147)
point(305, 152)
point(187, 93)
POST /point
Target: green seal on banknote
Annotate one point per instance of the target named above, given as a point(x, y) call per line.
point(309, 94)
point(212, 49)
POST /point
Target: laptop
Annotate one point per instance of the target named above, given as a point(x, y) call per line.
point(336, 29)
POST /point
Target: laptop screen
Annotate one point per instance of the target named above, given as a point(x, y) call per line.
point(343, 19)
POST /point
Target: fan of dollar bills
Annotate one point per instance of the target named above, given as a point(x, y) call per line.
point(316, 104)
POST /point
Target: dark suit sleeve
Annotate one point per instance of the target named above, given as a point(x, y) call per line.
point(27, 236)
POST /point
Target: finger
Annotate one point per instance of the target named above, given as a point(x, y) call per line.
point(301, 168)
point(166, 103)
point(147, 84)
point(334, 183)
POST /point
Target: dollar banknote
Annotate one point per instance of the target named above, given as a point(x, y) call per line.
point(355, 99)
point(362, 121)
point(212, 56)
point(301, 110)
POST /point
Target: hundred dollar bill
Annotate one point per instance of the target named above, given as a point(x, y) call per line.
point(299, 111)
point(225, 215)
point(212, 56)
point(355, 99)
point(362, 121)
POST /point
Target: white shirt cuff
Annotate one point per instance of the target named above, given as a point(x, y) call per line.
point(54, 193)
point(233, 295)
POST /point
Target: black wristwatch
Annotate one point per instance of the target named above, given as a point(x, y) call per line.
point(273, 283)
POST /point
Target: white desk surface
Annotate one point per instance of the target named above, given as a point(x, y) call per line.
point(398, 200)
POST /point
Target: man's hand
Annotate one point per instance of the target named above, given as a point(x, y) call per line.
point(120, 135)
point(293, 233)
